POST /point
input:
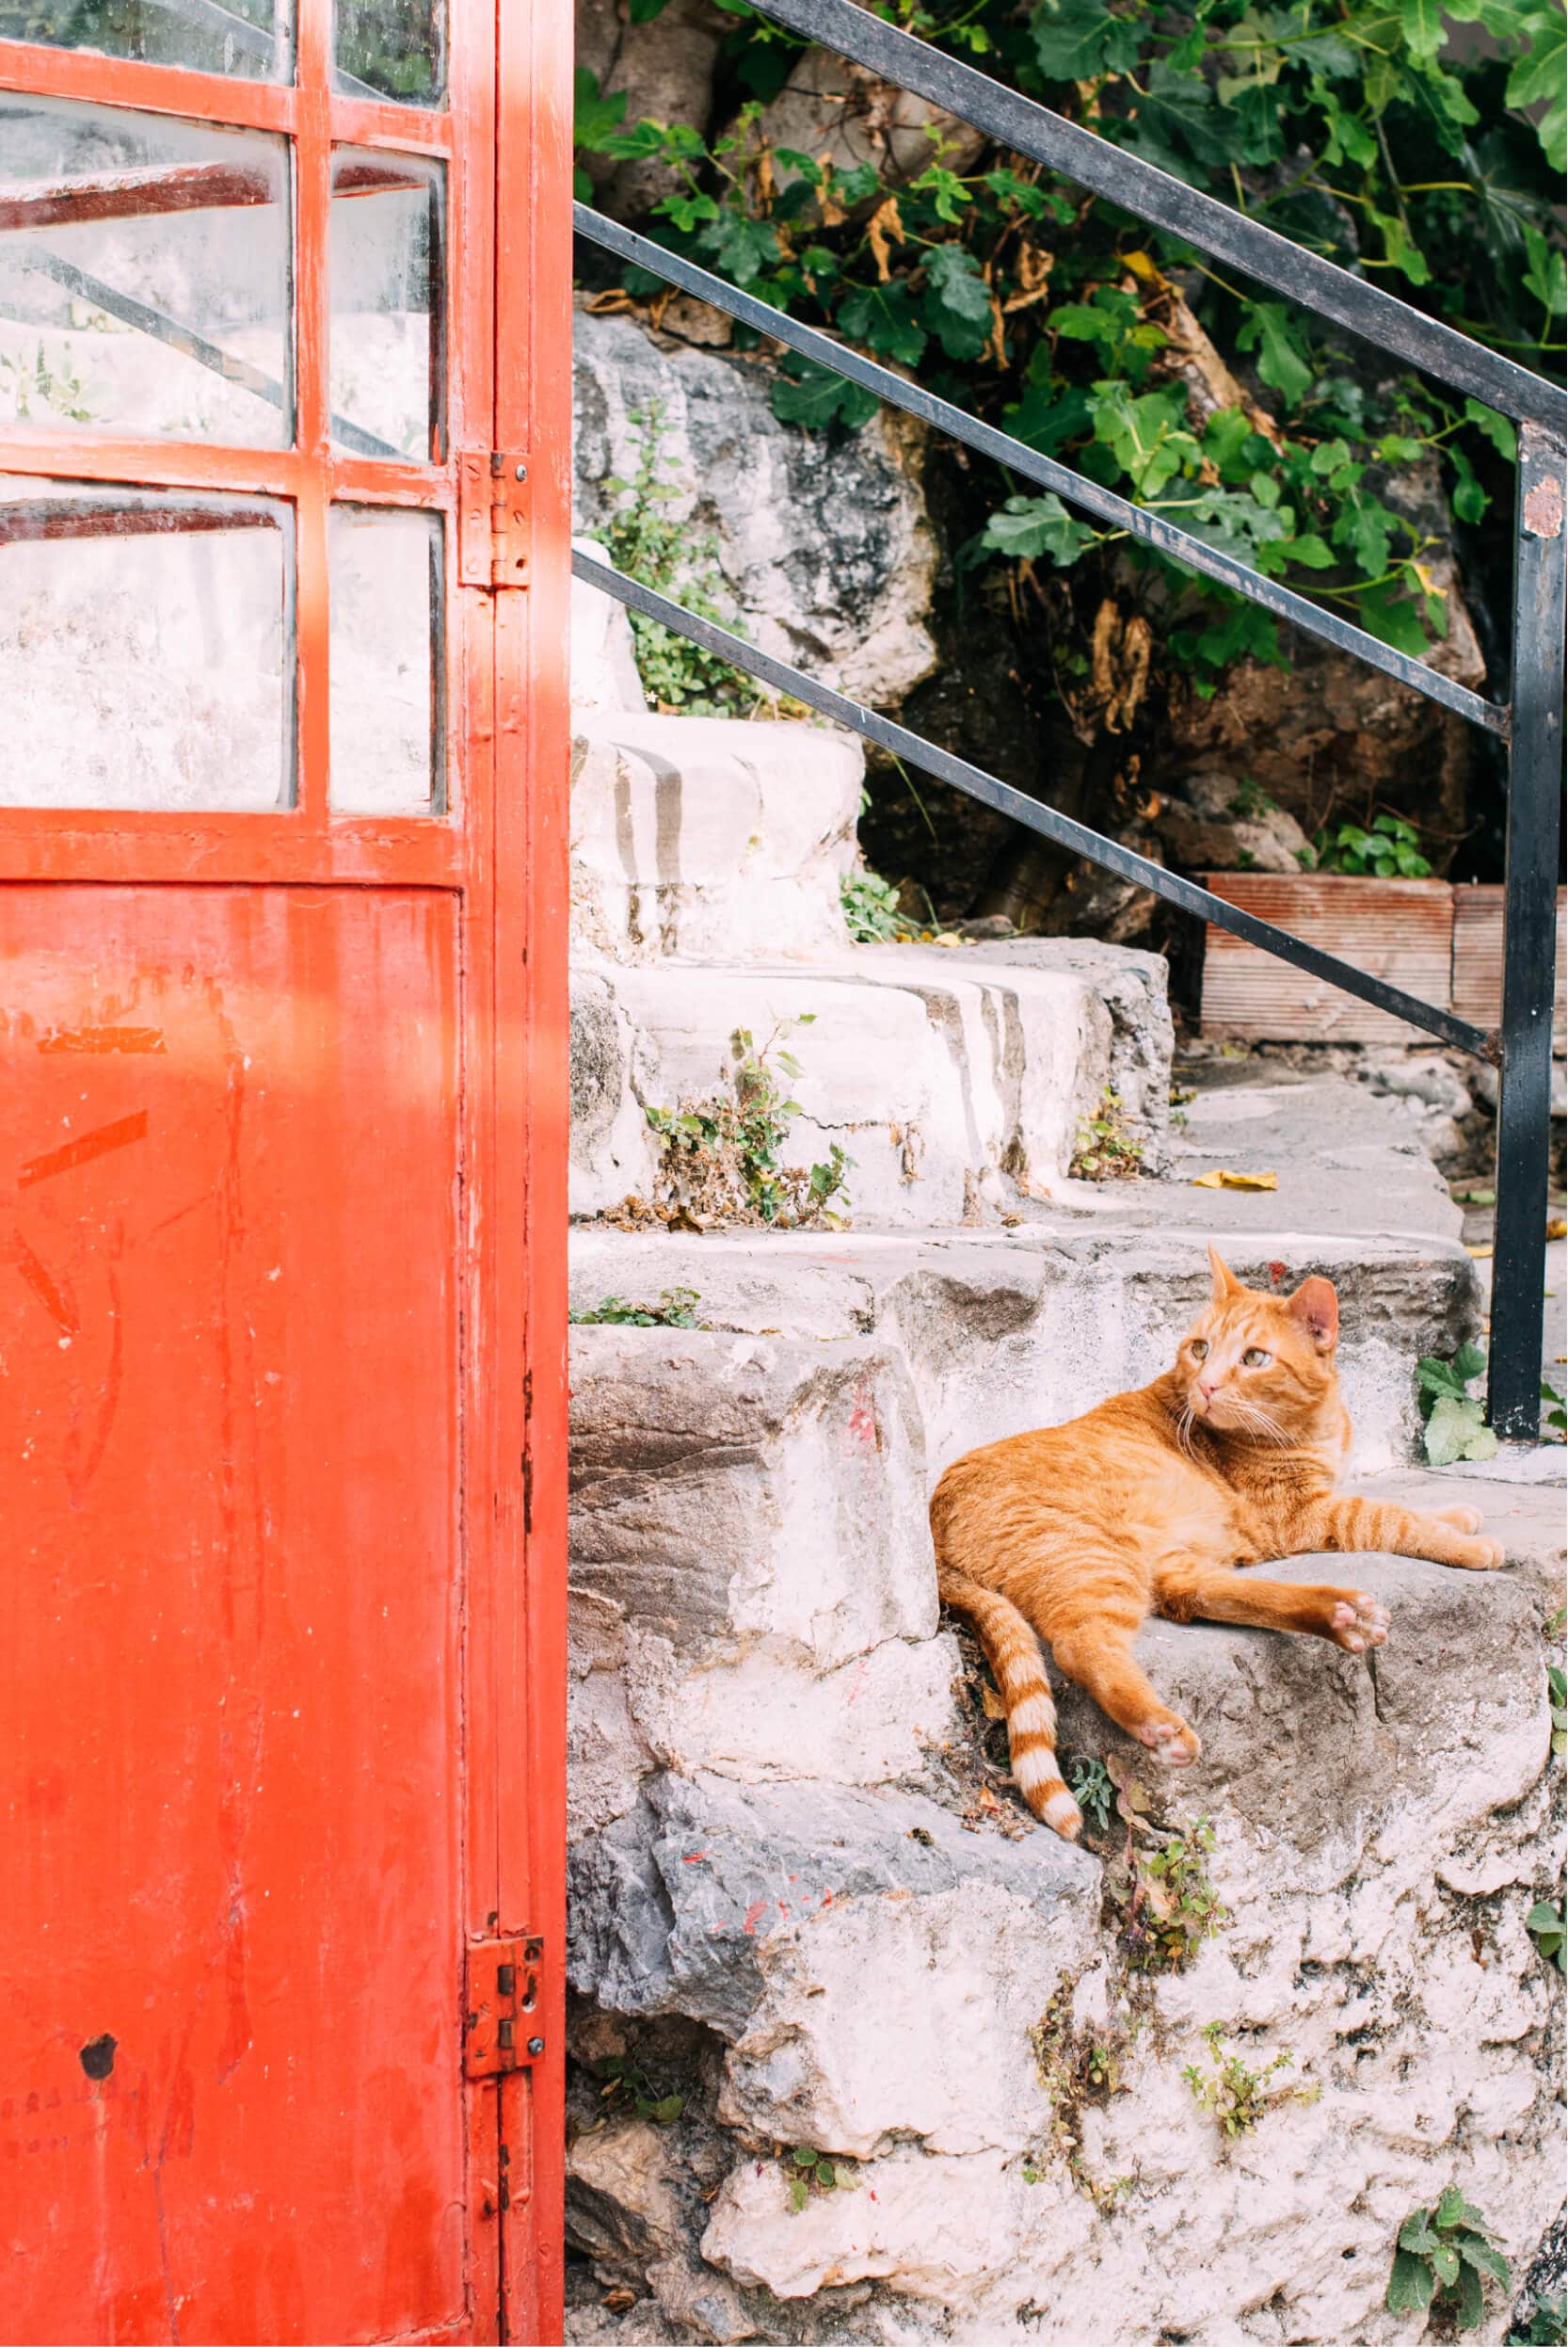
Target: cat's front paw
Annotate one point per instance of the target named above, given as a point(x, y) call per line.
point(1482, 1556)
point(1357, 1621)
point(1170, 1740)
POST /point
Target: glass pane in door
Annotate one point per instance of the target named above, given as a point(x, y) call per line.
point(146, 648)
point(387, 304)
point(392, 49)
point(385, 592)
point(251, 38)
point(144, 274)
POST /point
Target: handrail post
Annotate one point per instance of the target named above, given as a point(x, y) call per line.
point(1530, 942)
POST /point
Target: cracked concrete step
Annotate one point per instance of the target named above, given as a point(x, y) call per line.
point(954, 1084)
point(710, 837)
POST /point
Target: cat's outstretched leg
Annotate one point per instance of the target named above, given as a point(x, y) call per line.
point(1215, 1593)
point(1445, 1538)
point(1097, 1655)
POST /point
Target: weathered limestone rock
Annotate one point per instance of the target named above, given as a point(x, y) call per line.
point(709, 839)
point(945, 1081)
point(754, 1592)
point(730, 1490)
point(666, 66)
point(822, 537)
point(1381, 1833)
point(839, 112)
point(1133, 987)
point(1207, 832)
point(767, 1911)
point(603, 661)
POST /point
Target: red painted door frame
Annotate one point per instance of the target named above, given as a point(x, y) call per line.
point(499, 860)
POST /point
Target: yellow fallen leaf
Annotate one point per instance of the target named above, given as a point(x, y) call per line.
point(994, 1706)
point(1222, 1178)
point(1557, 1227)
point(1482, 1254)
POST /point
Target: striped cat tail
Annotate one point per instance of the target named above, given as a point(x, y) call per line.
point(1013, 1651)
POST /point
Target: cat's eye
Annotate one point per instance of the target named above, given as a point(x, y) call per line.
point(1200, 1347)
point(1254, 1357)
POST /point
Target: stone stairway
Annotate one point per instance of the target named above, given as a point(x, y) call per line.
point(800, 1888)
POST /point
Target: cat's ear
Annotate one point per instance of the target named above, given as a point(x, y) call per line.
point(1317, 1307)
point(1224, 1282)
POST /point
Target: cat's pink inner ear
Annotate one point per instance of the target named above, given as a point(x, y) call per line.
point(1225, 1283)
point(1317, 1307)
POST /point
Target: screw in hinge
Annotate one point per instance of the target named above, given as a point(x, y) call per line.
point(522, 472)
point(536, 2044)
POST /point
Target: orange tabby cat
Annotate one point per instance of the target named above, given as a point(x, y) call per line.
point(1148, 1503)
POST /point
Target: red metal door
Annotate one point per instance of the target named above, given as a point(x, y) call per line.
point(282, 1008)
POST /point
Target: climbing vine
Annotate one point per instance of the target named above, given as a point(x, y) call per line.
point(1358, 127)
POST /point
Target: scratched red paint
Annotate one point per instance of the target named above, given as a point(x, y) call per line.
point(102, 1039)
point(754, 1915)
point(1276, 1273)
point(87, 1145)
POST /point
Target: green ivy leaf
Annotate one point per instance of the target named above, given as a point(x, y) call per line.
point(1422, 20)
point(883, 317)
point(1497, 428)
point(1027, 528)
point(1540, 75)
point(1546, 277)
point(1076, 39)
point(1270, 329)
point(810, 394)
point(957, 302)
point(593, 117)
point(743, 247)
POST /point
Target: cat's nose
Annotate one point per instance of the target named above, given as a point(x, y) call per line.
point(1206, 1388)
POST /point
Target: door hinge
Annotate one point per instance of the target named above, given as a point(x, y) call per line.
point(501, 1996)
point(493, 517)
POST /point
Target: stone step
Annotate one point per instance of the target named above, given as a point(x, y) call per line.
point(958, 1086)
point(1002, 1329)
point(709, 838)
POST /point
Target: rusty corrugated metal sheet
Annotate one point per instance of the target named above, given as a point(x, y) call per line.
point(1402, 930)
point(1478, 960)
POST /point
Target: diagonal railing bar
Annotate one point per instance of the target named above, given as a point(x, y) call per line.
point(1139, 521)
point(1260, 252)
point(1032, 812)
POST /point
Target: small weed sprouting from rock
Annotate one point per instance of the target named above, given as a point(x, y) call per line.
point(1444, 2260)
point(647, 545)
point(1556, 1693)
point(1235, 2096)
point(1546, 1925)
point(676, 1308)
point(625, 2085)
point(812, 2175)
point(1455, 1418)
point(721, 1156)
point(1158, 1883)
point(1080, 2068)
point(1091, 1786)
point(1105, 1151)
point(871, 913)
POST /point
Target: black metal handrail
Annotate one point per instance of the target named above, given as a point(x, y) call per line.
point(1530, 723)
